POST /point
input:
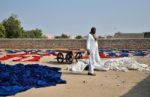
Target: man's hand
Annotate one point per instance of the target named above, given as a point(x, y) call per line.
point(88, 52)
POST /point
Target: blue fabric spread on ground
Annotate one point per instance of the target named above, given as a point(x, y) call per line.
point(19, 77)
point(124, 55)
point(140, 53)
point(111, 54)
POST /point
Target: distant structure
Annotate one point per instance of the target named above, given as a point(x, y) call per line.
point(132, 35)
point(50, 36)
point(109, 37)
point(146, 34)
point(72, 37)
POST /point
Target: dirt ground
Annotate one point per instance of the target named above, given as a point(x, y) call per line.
point(104, 84)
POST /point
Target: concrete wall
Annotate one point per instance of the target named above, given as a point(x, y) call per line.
point(73, 43)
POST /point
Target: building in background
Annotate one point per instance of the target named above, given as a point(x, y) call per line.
point(129, 35)
point(50, 36)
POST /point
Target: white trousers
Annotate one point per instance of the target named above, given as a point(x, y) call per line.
point(93, 59)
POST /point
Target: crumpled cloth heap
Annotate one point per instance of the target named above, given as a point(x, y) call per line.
point(119, 64)
point(19, 77)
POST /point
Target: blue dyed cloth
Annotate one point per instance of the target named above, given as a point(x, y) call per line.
point(11, 51)
point(140, 53)
point(105, 50)
point(111, 54)
point(19, 77)
point(50, 51)
point(124, 55)
point(125, 51)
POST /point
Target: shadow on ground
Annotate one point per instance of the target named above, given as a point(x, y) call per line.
point(142, 89)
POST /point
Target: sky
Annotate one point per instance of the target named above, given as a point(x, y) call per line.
point(76, 17)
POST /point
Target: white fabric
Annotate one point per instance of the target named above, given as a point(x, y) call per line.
point(120, 64)
point(77, 67)
point(94, 62)
point(92, 47)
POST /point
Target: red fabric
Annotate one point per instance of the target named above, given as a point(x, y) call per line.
point(85, 57)
point(47, 54)
point(7, 57)
point(22, 57)
point(31, 53)
point(35, 58)
point(102, 55)
point(54, 54)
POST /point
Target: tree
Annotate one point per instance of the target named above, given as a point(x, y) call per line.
point(2, 31)
point(63, 36)
point(100, 37)
point(13, 27)
point(35, 33)
point(146, 34)
point(79, 37)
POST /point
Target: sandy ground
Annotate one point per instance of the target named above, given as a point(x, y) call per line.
point(104, 84)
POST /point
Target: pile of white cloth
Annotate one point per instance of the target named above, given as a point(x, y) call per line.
point(119, 64)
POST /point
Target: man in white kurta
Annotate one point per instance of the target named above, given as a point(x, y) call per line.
point(92, 48)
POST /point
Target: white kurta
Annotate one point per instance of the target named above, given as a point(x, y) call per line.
point(94, 58)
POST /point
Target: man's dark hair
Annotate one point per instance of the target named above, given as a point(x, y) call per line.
point(93, 30)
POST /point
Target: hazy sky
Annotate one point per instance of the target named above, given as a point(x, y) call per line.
point(78, 16)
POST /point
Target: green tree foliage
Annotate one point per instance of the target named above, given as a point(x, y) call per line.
point(35, 33)
point(78, 37)
point(2, 31)
point(146, 34)
point(64, 36)
point(13, 27)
